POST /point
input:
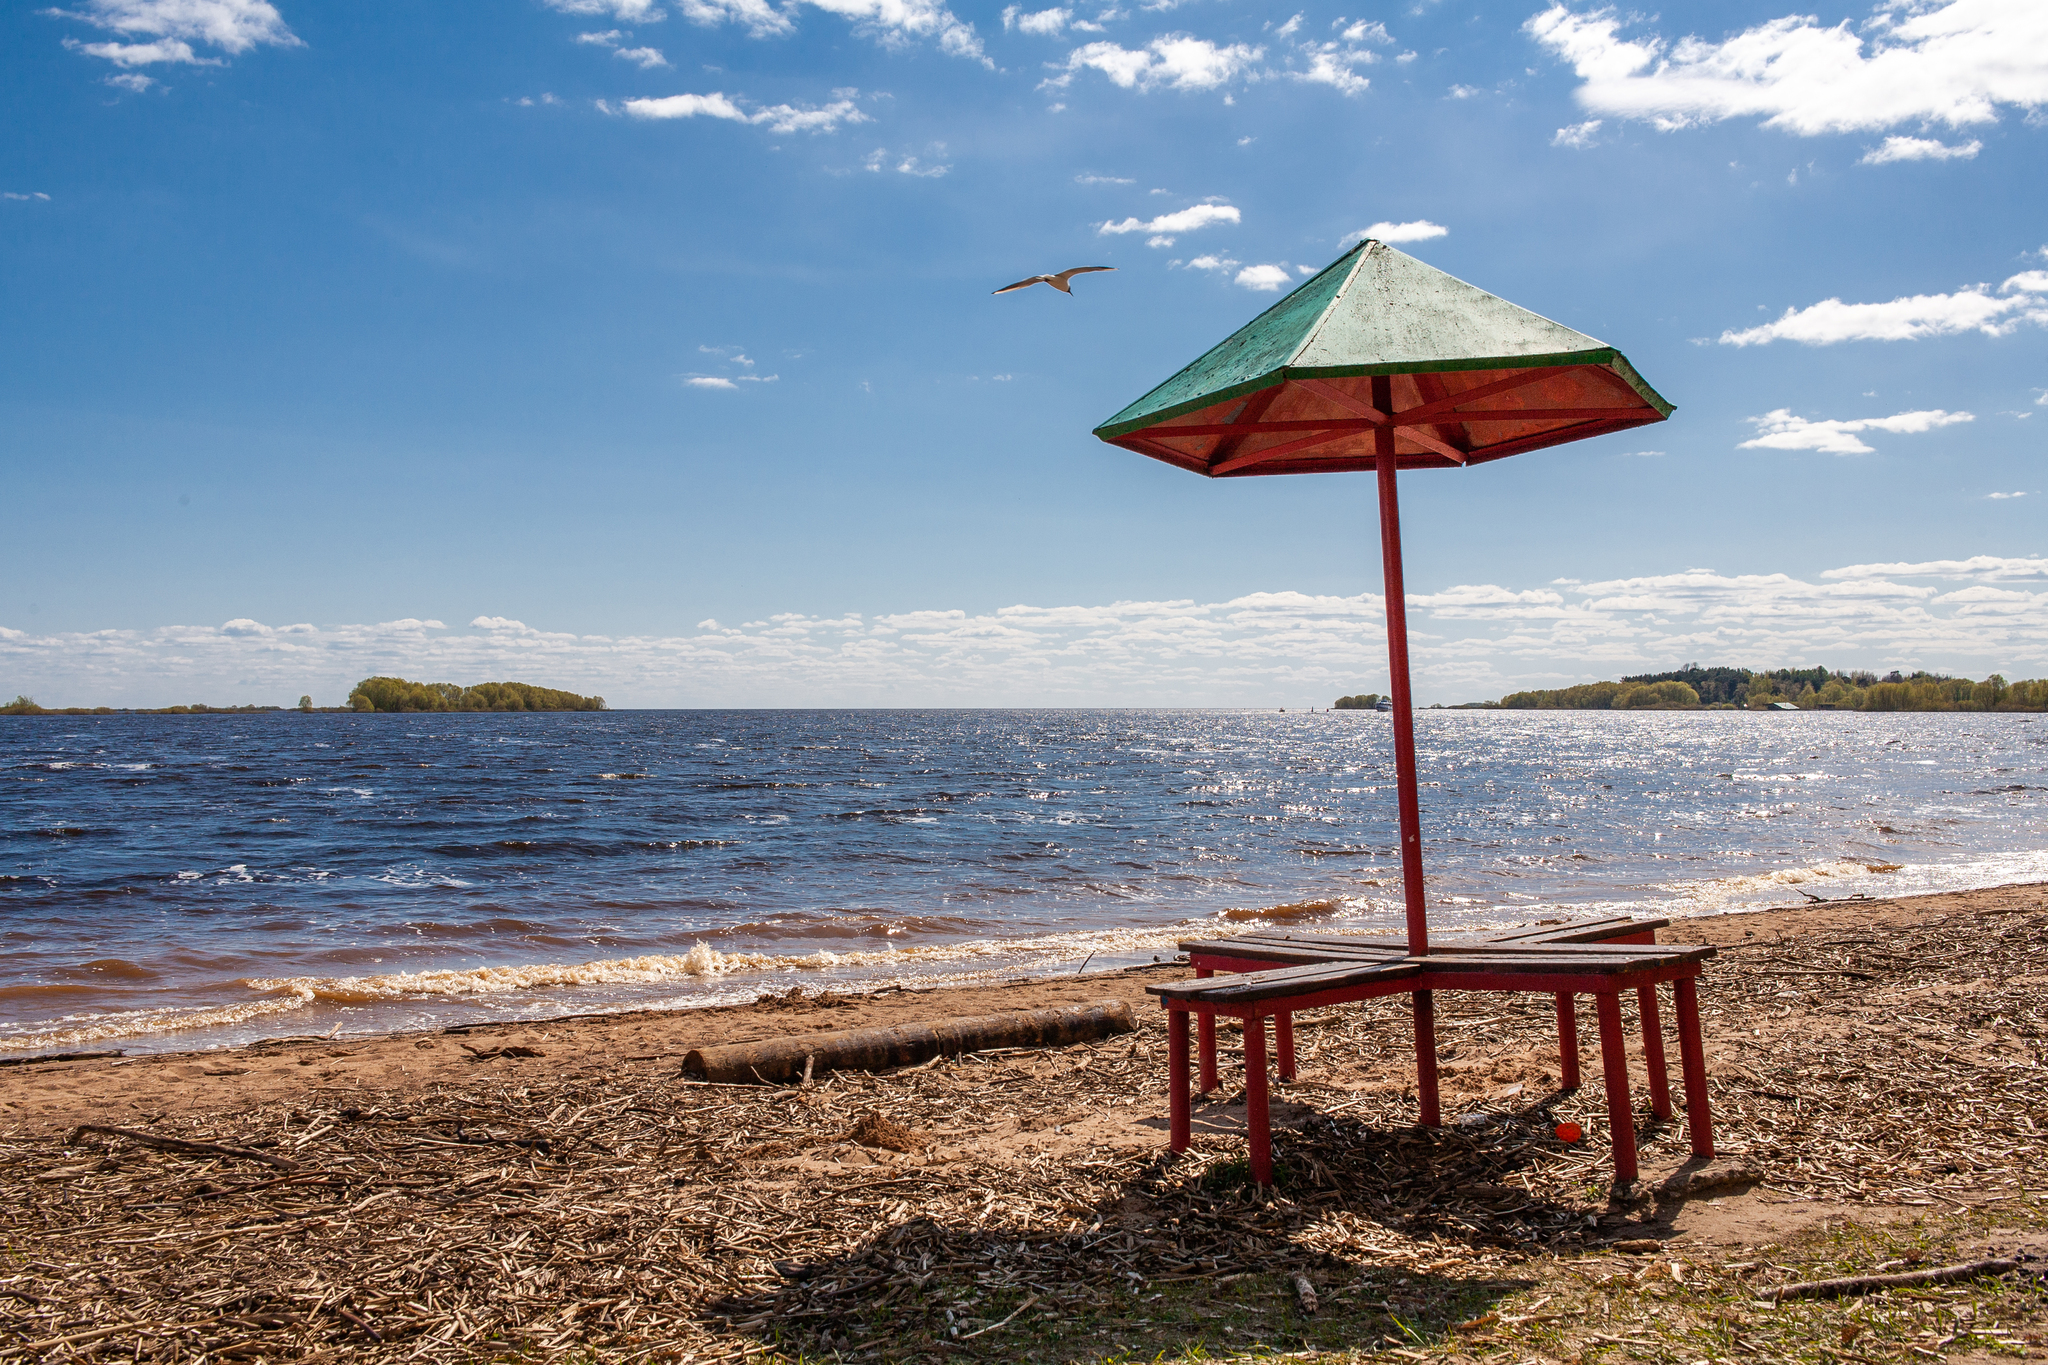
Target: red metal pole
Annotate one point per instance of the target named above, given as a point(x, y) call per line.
point(1567, 1042)
point(1621, 1119)
point(1257, 1124)
point(1653, 1051)
point(1692, 1066)
point(1403, 714)
point(1424, 1003)
point(1177, 1078)
point(1205, 1041)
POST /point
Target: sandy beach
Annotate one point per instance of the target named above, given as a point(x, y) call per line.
point(528, 1189)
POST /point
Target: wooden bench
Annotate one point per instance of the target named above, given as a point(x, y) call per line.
point(1264, 951)
point(1273, 975)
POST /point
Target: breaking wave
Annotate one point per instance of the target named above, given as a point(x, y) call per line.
point(82, 1029)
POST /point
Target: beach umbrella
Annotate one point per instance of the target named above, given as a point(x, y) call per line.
point(1381, 362)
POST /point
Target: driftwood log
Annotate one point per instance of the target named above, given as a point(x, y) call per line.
point(874, 1049)
point(1866, 1284)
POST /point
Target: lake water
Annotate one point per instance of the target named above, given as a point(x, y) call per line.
point(178, 882)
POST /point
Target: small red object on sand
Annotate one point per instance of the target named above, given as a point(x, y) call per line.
point(1570, 1132)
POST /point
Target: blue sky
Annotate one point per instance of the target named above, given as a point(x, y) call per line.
point(647, 347)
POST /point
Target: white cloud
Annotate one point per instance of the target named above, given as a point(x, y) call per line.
point(1989, 568)
point(714, 105)
point(1465, 92)
point(1363, 31)
point(647, 57)
point(731, 355)
point(1166, 224)
point(626, 11)
point(1467, 596)
point(1918, 149)
point(1102, 180)
point(1332, 66)
point(1578, 136)
point(1469, 641)
point(232, 26)
point(1975, 309)
point(1266, 278)
point(1176, 61)
point(604, 39)
point(777, 118)
point(27, 198)
point(893, 23)
point(909, 165)
point(1216, 263)
point(1780, 430)
point(1952, 63)
point(1420, 230)
point(2002, 497)
point(1046, 23)
point(760, 19)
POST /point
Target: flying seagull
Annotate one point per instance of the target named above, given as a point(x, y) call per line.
point(1058, 281)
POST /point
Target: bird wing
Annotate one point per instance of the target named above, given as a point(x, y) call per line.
point(1025, 284)
point(1081, 270)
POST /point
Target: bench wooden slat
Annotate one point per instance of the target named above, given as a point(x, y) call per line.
point(1247, 987)
point(1585, 931)
point(1283, 951)
point(1543, 963)
point(1280, 945)
point(1369, 947)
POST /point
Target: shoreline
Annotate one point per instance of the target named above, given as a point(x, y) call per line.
point(669, 979)
point(645, 1040)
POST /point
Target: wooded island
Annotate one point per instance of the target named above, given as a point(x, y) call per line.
point(399, 694)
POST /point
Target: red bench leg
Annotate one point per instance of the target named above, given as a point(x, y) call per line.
point(1621, 1119)
point(1692, 1062)
point(1256, 1122)
point(1425, 1057)
point(1567, 1042)
point(1283, 1036)
point(1653, 1051)
point(1205, 1031)
point(1177, 1076)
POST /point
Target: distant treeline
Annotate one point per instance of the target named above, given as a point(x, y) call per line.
point(1810, 689)
point(398, 694)
point(1364, 701)
point(26, 706)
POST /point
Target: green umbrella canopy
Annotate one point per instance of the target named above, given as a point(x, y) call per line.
point(1473, 378)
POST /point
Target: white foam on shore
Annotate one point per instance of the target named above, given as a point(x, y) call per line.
point(77, 1030)
point(962, 962)
point(1845, 878)
point(1724, 891)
